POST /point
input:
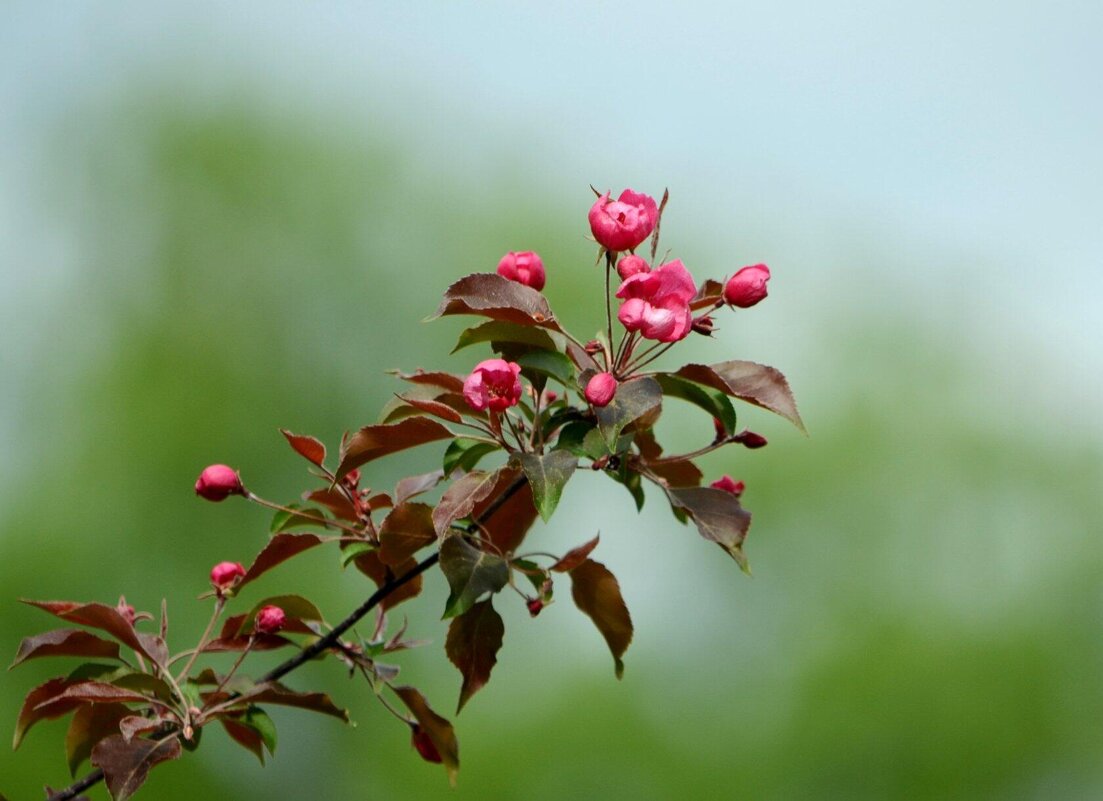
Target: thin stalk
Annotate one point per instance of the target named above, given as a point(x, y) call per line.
point(306, 515)
point(219, 604)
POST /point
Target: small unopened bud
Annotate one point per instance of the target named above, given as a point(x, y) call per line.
point(728, 485)
point(631, 265)
point(534, 605)
point(352, 478)
point(225, 574)
point(600, 389)
point(747, 287)
point(424, 744)
point(720, 429)
point(551, 397)
point(592, 347)
point(270, 619)
point(126, 610)
point(750, 439)
point(218, 482)
point(600, 462)
point(704, 325)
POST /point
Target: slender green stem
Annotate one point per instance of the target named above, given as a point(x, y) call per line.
point(219, 604)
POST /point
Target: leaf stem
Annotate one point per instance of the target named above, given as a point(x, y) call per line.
point(298, 513)
point(219, 604)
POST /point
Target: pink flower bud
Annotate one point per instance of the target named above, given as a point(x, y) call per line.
point(424, 744)
point(631, 265)
point(225, 574)
point(525, 268)
point(748, 286)
point(270, 619)
point(704, 325)
point(624, 223)
point(535, 605)
point(600, 389)
point(593, 347)
point(551, 397)
point(218, 482)
point(750, 439)
point(734, 487)
point(494, 385)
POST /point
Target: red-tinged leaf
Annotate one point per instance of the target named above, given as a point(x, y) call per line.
point(438, 729)
point(278, 550)
point(677, 474)
point(472, 646)
point(470, 573)
point(756, 384)
point(576, 556)
point(275, 693)
point(709, 294)
point(371, 442)
point(718, 516)
point(95, 692)
point(406, 530)
point(447, 381)
point(335, 500)
point(380, 500)
point(309, 448)
point(126, 765)
point(65, 642)
point(261, 642)
point(133, 725)
point(370, 565)
point(90, 724)
point(491, 295)
point(460, 498)
point(413, 486)
point(244, 736)
point(106, 618)
point(582, 359)
point(32, 712)
point(596, 592)
point(434, 408)
point(507, 527)
point(637, 401)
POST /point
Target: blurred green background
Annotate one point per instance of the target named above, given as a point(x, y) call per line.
point(216, 222)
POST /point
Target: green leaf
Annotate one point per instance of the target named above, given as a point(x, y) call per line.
point(470, 573)
point(372, 442)
point(495, 332)
point(548, 474)
point(631, 481)
point(635, 399)
point(596, 592)
point(572, 438)
point(713, 401)
point(353, 550)
point(756, 384)
point(285, 520)
point(718, 516)
point(464, 454)
point(549, 363)
point(474, 639)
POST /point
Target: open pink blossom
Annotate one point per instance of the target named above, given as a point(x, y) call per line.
point(524, 267)
point(493, 384)
point(748, 286)
point(657, 303)
point(624, 223)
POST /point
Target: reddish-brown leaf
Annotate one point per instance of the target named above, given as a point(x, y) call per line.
point(380, 500)
point(434, 408)
point(596, 592)
point(405, 530)
point(309, 448)
point(133, 725)
point(709, 294)
point(718, 516)
point(509, 524)
point(370, 565)
point(65, 642)
point(90, 724)
point(576, 556)
point(32, 710)
point(677, 474)
point(106, 618)
point(757, 384)
point(371, 442)
point(275, 693)
point(460, 498)
point(413, 486)
point(279, 549)
point(447, 381)
point(247, 738)
point(126, 765)
point(491, 295)
point(472, 646)
point(95, 692)
point(438, 729)
point(335, 500)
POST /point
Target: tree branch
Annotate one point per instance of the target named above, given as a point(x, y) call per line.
point(332, 638)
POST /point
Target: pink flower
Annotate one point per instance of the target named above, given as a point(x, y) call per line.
point(734, 487)
point(270, 619)
point(524, 267)
point(622, 224)
point(218, 482)
point(632, 265)
point(657, 303)
point(600, 389)
point(748, 286)
point(750, 439)
point(494, 385)
point(225, 574)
